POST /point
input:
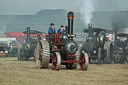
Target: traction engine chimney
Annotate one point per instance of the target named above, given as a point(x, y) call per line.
point(28, 34)
point(70, 22)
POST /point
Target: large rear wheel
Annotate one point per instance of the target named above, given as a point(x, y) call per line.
point(127, 59)
point(109, 58)
point(42, 54)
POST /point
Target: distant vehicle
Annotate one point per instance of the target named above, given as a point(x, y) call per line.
point(13, 48)
point(121, 48)
point(3, 49)
point(98, 46)
point(27, 49)
point(12, 45)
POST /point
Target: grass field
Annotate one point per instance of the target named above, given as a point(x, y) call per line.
point(13, 72)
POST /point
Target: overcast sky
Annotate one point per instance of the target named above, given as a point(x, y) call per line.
point(15, 7)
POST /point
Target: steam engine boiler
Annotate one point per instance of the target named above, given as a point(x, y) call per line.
point(61, 49)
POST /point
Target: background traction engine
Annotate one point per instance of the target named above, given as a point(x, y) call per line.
point(27, 49)
point(121, 48)
point(96, 45)
point(61, 49)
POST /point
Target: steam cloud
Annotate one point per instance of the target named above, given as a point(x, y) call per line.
point(86, 11)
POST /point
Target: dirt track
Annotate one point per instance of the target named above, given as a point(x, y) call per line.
point(13, 72)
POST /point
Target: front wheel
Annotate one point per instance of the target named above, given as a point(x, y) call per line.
point(56, 61)
point(84, 61)
point(21, 55)
point(99, 56)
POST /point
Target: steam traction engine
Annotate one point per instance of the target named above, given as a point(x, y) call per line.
point(121, 48)
point(27, 49)
point(61, 49)
point(96, 45)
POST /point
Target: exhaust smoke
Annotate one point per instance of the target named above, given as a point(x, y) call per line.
point(86, 11)
point(119, 23)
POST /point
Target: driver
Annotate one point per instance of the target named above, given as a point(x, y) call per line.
point(51, 29)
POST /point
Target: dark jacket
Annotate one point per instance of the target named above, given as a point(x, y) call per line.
point(51, 31)
point(59, 31)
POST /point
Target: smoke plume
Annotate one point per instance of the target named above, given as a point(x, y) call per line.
point(86, 11)
point(119, 22)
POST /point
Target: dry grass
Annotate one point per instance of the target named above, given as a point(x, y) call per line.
point(13, 72)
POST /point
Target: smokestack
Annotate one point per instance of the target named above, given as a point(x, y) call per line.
point(70, 22)
point(89, 25)
point(90, 29)
point(28, 34)
point(115, 37)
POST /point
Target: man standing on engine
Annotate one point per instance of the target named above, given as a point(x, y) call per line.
point(51, 29)
point(60, 30)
